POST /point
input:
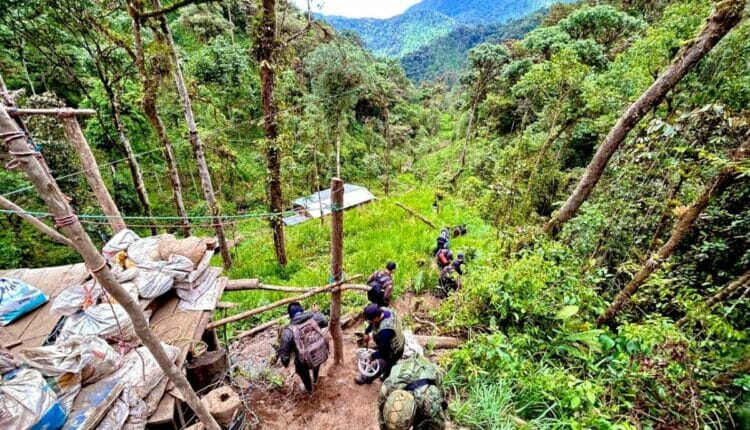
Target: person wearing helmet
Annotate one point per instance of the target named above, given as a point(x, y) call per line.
point(412, 397)
point(388, 335)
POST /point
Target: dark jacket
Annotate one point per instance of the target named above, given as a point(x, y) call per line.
point(287, 345)
point(388, 336)
point(457, 266)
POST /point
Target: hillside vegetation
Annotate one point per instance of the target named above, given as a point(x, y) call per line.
point(501, 150)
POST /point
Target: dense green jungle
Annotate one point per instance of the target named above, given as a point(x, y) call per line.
point(608, 249)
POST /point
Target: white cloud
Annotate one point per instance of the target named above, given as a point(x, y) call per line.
point(358, 8)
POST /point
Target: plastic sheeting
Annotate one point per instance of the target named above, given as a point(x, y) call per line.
point(157, 277)
point(99, 320)
point(411, 346)
point(144, 250)
point(202, 298)
point(17, 298)
point(119, 242)
point(27, 402)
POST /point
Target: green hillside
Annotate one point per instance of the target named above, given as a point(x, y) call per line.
point(445, 57)
point(397, 36)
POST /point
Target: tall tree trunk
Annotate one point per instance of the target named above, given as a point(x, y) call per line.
point(265, 51)
point(743, 280)
point(469, 131)
point(682, 228)
point(195, 142)
point(135, 168)
point(58, 206)
point(94, 178)
point(150, 86)
point(387, 132)
point(725, 16)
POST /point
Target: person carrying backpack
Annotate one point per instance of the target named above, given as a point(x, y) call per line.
point(443, 241)
point(412, 397)
point(303, 338)
point(444, 258)
point(381, 285)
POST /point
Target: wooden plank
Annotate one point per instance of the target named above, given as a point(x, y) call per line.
point(33, 328)
point(190, 323)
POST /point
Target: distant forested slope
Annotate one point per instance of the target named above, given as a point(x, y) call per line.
point(446, 56)
point(483, 11)
point(397, 36)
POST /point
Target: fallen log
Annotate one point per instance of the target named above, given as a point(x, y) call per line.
point(414, 213)
point(226, 305)
point(265, 326)
point(282, 302)
point(280, 320)
point(439, 342)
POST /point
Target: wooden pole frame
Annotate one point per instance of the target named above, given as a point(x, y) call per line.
point(76, 138)
point(32, 163)
point(328, 288)
point(44, 228)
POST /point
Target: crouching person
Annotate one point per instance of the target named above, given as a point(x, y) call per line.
point(303, 338)
point(412, 396)
point(388, 335)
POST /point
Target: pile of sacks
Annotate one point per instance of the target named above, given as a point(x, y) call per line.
point(94, 376)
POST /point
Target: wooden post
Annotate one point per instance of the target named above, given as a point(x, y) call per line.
point(195, 142)
point(31, 163)
point(44, 228)
point(91, 170)
point(337, 266)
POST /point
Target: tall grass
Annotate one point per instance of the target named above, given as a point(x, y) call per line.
point(374, 234)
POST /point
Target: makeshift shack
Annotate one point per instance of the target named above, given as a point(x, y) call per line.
point(319, 204)
point(82, 344)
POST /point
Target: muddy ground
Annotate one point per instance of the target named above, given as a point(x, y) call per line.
point(337, 403)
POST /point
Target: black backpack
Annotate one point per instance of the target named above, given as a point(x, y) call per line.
point(377, 288)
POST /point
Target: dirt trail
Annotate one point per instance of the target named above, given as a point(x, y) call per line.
point(337, 402)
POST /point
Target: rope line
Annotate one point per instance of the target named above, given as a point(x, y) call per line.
point(84, 217)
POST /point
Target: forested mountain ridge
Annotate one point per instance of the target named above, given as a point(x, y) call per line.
point(483, 11)
point(632, 313)
point(397, 36)
point(429, 20)
point(446, 56)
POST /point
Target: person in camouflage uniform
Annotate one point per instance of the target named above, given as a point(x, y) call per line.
point(412, 396)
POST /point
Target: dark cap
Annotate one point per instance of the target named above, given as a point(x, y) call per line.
point(372, 311)
point(294, 309)
point(391, 265)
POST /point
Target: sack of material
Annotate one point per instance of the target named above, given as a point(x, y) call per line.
point(156, 278)
point(119, 242)
point(27, 402)
point(98, 320)
point(76, 298)
point(194, 248)
point(144, 250)
point(311, 343)
point(70, 364)
point(18, 298)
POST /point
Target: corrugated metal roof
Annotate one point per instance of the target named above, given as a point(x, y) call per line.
point(319, 204)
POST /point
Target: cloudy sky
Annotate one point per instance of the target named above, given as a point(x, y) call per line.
point(358, 8)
